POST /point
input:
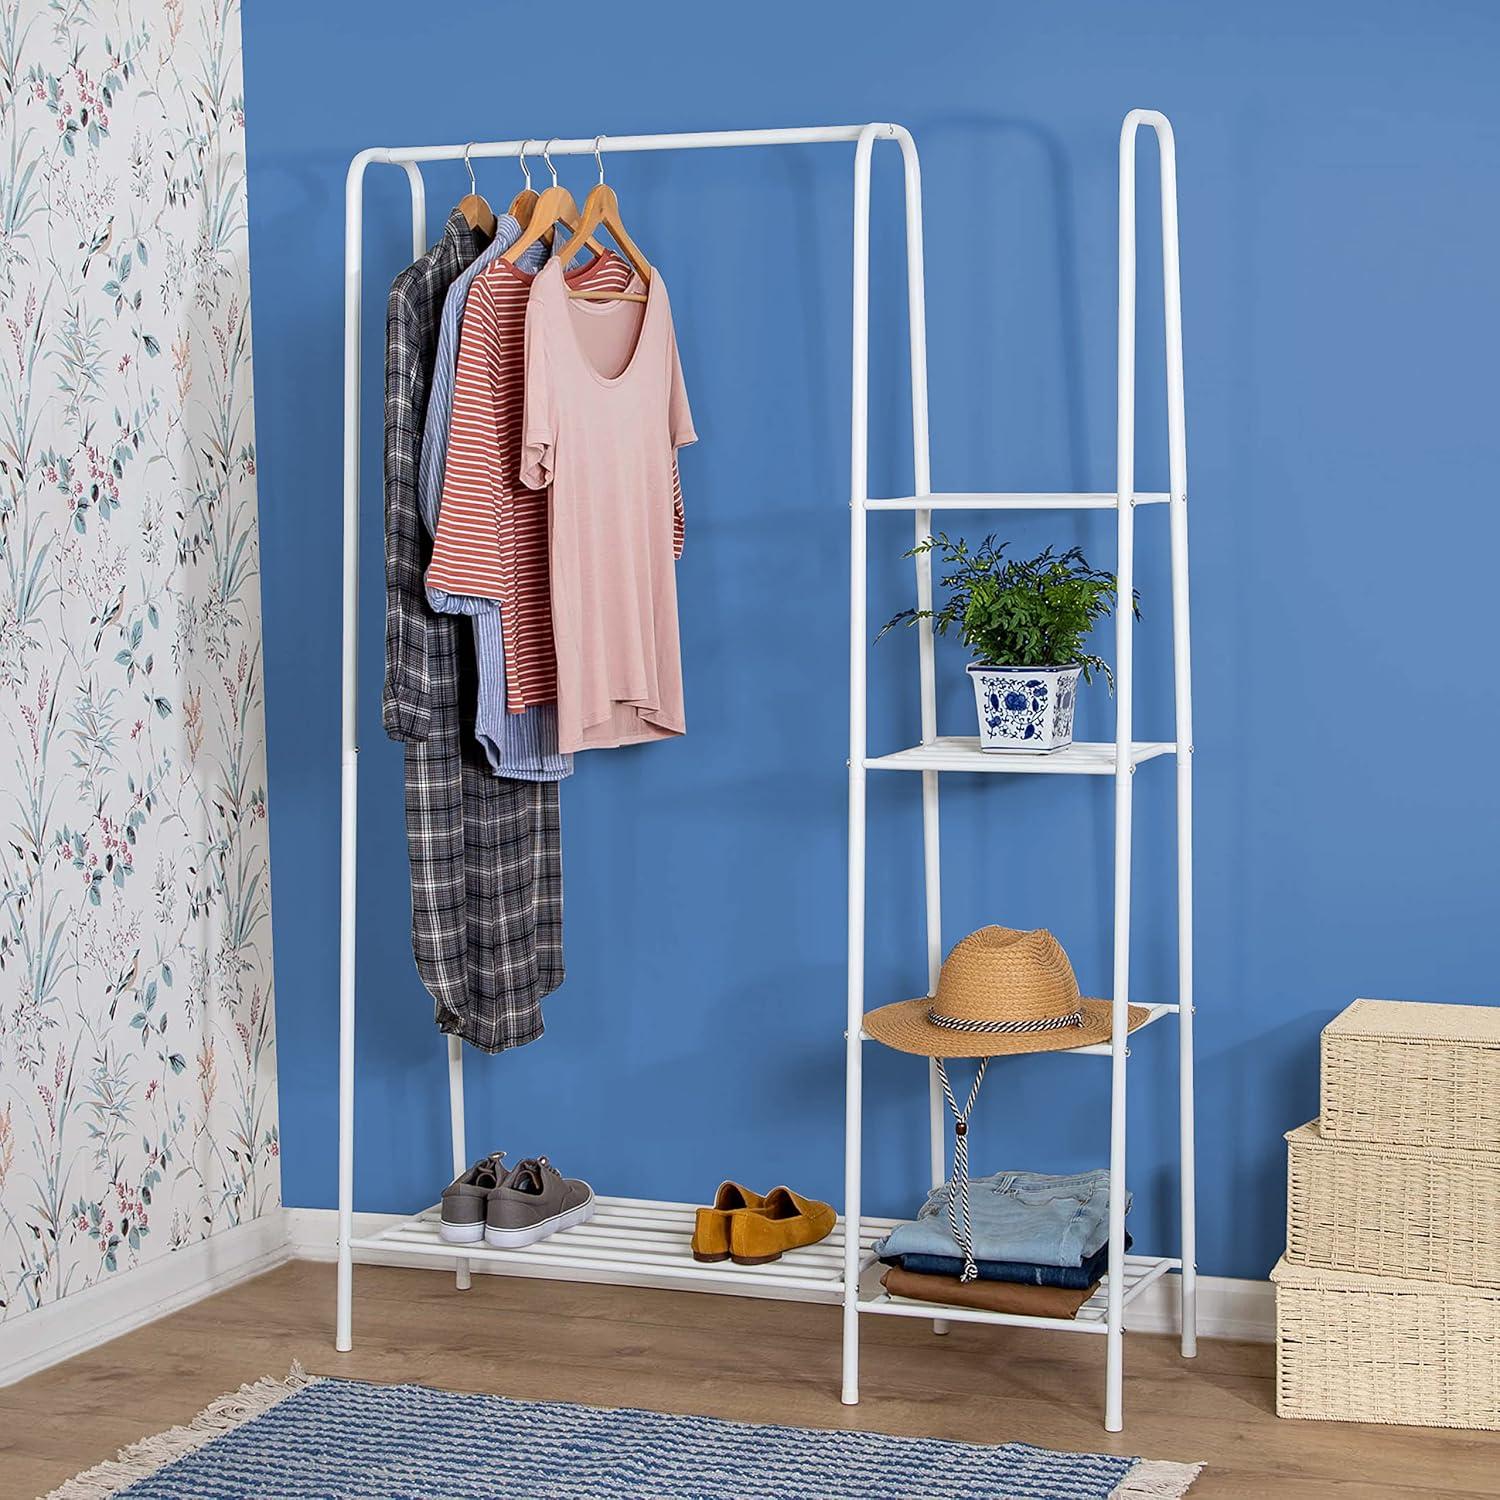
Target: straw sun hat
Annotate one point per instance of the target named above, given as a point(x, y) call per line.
point(1000, 992)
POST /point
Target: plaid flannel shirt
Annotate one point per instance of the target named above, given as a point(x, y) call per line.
point(411, 329)
point(485, 850)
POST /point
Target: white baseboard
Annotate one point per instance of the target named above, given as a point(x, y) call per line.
point(1228, 1308)
point(31, 1341)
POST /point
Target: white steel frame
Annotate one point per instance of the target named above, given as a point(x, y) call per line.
point(646, 1242)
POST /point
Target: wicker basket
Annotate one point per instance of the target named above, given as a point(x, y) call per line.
point(1413, 1075)
point(1393, 1210)
point(1381, 1349)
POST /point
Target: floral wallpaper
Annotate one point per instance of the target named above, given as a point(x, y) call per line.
point(137, 1086)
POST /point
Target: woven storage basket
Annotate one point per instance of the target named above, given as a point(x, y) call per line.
point(1393, 1210)
point(1413, 1074)
point(1381, 1349)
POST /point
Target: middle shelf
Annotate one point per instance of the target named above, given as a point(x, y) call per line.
point(962, 753)
point(1154, 1013)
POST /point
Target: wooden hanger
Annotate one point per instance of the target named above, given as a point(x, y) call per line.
point(555, 206)
point(523, 205)
point(477, 213)
point(601, 209)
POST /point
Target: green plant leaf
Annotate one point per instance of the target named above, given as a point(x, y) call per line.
point(1033, 613)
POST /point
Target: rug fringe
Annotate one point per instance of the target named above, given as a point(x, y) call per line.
point(1156, 1479)
point(143, 1459)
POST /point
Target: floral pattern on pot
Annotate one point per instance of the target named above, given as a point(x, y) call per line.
point(137, 1085)
point(1025, 708)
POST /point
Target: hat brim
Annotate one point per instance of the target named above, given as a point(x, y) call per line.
point(905, 1027)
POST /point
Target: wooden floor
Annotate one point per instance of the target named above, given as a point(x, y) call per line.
point(729, 1357)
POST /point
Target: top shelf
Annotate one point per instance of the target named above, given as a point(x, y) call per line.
point(1059, 501)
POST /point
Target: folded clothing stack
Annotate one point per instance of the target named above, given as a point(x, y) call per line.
point(1040, 1245)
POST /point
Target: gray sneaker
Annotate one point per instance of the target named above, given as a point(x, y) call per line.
point(466, 1198)
point(535, 1200)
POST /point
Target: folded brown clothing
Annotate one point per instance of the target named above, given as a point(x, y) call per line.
point(991, 1296)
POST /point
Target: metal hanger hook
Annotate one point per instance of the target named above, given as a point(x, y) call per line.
point(548, 159)
point(525, 170)
point(599, 159)
point(469, 168)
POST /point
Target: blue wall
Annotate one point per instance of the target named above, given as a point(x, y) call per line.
point(1339, 167)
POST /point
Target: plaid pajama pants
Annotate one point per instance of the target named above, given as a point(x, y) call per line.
point(486, 871)
point(485, 850)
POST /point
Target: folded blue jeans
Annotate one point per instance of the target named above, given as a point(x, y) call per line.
point(1026, 1217)
point(1022, 1273)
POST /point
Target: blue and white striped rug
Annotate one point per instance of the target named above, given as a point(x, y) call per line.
point(308, 1438)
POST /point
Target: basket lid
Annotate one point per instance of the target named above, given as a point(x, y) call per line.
point(1288, 1273)
point(1475, 1158)
point(1419, 1021)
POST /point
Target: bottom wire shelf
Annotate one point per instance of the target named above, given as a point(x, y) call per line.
point(1140, 1272)
point(645, 1242)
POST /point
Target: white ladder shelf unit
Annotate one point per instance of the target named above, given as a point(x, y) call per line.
point(647, 1242)
point(1129, 1275)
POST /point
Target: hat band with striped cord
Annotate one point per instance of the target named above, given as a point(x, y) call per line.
point(996, 1028)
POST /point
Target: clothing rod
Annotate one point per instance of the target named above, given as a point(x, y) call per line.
point(693, 140)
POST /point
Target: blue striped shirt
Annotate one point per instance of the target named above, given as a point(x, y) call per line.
point(524, 745)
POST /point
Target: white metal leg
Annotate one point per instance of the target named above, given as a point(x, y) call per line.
point(858, 643)
point(1183, 701)
point(937, 1123)
point(343, 1329)
point(858, 490)
point(349, 802)
point(1115, 1346)
point(349, 786)
point(456, 1125)
point(1124, 729)
point(1181, 647)
point(1185, 1104)
point(932, 880)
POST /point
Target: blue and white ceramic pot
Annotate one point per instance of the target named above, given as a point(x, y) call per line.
point(1026, 709)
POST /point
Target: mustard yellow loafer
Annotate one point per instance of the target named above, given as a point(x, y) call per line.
point(711, 1231)
point(784, 1221)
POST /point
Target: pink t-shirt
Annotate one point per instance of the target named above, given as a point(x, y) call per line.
point(605, 410)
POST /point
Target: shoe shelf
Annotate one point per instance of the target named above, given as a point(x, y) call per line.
point(1093, 1317)
point(962, 753)
point(641, 1241)
point(1154, 1013)
point(644, 1242)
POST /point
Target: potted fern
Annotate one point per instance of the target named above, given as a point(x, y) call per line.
point(1026, 623)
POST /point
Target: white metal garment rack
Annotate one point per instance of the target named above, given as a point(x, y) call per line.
point(646, 1242)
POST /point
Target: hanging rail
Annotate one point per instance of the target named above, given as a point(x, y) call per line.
point(692, 140)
